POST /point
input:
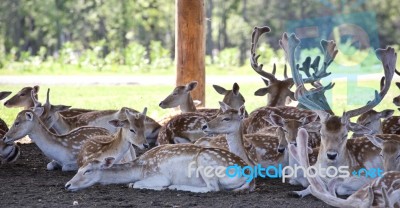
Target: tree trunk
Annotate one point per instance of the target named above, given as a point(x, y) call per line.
point(190, 45)
point(209, 40)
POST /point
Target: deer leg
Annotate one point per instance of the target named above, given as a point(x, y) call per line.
point(302, 193)
point(157, 182)
point(53, 165)
point(351, 185)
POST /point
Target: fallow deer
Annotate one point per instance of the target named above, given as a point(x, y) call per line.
point(335, 149)
point(178, 166)
point(372, 120)
point(181, 97)
point(262, 147)
point(384, 191)
point(390, 151)
point(186, 127)
point(23, 99)
point(63, 149)
point(49, 114)
point(118, 146)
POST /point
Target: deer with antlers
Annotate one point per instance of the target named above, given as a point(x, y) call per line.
point(51, 117)
point(186, 127)
point(177, 167)
point(335, 149)
point(279, 90)
point(381, 192)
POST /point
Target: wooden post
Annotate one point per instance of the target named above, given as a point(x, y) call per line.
point(190, 45)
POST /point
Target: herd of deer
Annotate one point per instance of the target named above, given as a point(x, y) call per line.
point(102, 145)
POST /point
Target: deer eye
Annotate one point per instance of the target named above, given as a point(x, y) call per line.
point(226, 119)
point(132, 130)
point(16, 123)
point(22, 94)
point(380, 155)
point(368, 123)
point(87, 172)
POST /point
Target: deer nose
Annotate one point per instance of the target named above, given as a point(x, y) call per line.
point(204, 127)
point(281, 150)
point(161, 104)
point(331, 156)
point(146, 146)
point(6, 103)
point(67, 185)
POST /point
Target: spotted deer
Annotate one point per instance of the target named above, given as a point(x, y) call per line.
point(186, 128)
point(119, 146)
point(381, 192)
point(372, 120)
point(51, 117)
point(181, 97)
point(335, 149)
point(23, 99)
point(262, 148)
point(61, 149)
point(177, 167)
point(390, 151)
point(9, 152)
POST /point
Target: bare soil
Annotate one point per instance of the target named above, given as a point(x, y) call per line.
point(27, 183)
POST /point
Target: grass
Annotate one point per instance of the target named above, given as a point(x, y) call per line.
point(344, 96)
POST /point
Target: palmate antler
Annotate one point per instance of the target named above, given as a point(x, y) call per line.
point(314, 99)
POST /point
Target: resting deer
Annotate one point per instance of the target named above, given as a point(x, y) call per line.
point(181, 97)
point(390, 151)
point(230, 122)
point(372, 120)
point(186, 128)
point(9, 152)
point(23, 99)
point(279, 90)
point(119, 146)
point(49, 114)
point(336, 150)
point(384, 191)
point(180, 166)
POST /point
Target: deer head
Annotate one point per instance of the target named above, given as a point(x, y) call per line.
point(231, 97)
point(277, 90)
point(179, 96)
point(23, 124)
point(390, 152)
point(372, 120)
point(229, 121)
point(134, 126)
point(22, 98)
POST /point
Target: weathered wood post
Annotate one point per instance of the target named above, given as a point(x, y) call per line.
point(190, 45)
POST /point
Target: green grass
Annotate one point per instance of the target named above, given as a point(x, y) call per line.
point(345, 96)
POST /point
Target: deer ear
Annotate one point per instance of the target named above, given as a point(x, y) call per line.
point(308, 119)
point(235, 89)
point(277, 120)
point(386, 113)
point(378, 142)
point(108, 162)
point(219, 89)
point(29, 116)
point(189, 87)
point(358, 129)
point(38, 111)
point(118, 123)
point(61, 107)
point(224, 106)
point(35, 89)
point(144, 111)
point(262, 91)
point(4, 94)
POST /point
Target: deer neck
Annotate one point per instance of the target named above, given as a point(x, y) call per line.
point(188, 106)
point(235, 143)
point(62, 125)
point(122, 173)
point(42, 136)
point(121, 142)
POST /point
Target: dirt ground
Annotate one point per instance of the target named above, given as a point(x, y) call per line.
point(27, 183)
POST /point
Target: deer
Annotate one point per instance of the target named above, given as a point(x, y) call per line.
point(119, 146)
point(176, 167)
point(372, 120)
point(230, 123)
point(181, 97)
point(335, 149)
point(380, 192)
point(279, 90)
point(9, 152)
point(49, 114)
point(390, 151)
point(23, 99)
point(186, 127)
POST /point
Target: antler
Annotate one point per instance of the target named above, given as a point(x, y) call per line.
point(47, 104)
point(388, 58)
point(257, 32)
